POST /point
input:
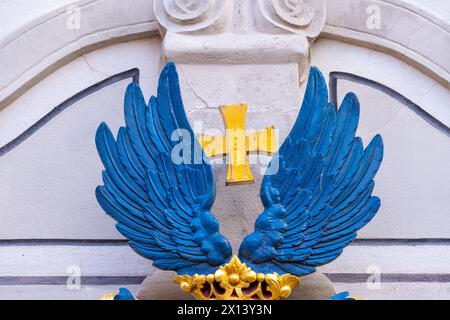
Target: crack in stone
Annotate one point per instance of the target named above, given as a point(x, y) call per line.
point(191, 87)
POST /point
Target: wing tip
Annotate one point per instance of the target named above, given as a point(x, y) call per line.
point(170, 65)
point(102, 200)
point(379, 140)
point(133, 86)
point(169, 70)
point(103, 126)
point(122, 133)
point(351, 102)
point(316, 91)
point(377, 144)
point(313, 71)
point(377, 202)
point(352, 96)
point(98, 193)
point(316, 75)
point(103, 131)
point(133, 95)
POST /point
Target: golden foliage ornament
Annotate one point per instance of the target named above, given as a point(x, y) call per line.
point(236, 281)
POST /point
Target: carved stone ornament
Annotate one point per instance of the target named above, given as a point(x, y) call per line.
point(239, 31)
point(188, 15)
point(305, 17)
point(316, 193)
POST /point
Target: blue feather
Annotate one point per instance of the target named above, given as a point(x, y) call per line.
point(129, 159)
point(124, 295)
point(342, 296)
point(135, 115)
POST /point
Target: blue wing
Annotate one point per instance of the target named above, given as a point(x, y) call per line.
point(161, 206)
point(321, 192)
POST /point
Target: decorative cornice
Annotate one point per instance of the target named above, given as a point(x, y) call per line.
point(22, 67)
point(347, 22)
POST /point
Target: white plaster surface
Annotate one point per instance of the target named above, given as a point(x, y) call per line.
point(404, 259)
point(43, 36)
point(431, 96)
point(60, 292)
point(398, 291)
point(414, 31)
point(56, 260)
point(29, 11)
point(415, 196)
point(51, 194)
point(120, 260)
point(76, 76)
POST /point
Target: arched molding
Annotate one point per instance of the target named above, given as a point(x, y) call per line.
point(416, 32)
point(41, 45)
point(412, 31)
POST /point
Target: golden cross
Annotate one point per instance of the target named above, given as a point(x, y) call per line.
point(236, 144)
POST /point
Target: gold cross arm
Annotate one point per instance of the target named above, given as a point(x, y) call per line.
point(236, 145)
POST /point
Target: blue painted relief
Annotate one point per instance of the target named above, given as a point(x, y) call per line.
point(314, 204)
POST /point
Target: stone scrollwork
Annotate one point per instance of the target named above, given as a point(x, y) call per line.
point(188, 15)
point(299, 16)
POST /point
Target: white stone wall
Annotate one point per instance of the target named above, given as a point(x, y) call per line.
point(49, 219)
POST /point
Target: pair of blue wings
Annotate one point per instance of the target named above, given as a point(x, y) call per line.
point(319, 196)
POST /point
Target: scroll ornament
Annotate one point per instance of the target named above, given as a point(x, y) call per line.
point(305, 17)
point(188, 15)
